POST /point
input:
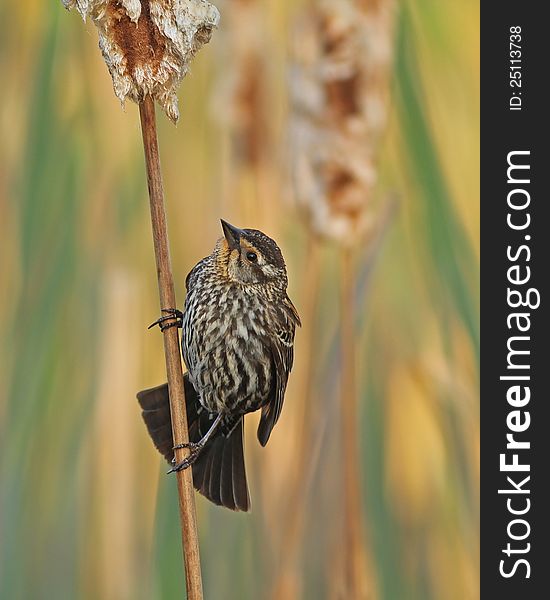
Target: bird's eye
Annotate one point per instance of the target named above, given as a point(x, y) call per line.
point(252, 257)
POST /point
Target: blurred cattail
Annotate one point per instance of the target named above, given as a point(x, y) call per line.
point(244, 101)
point(148, 45)
point(340, 86)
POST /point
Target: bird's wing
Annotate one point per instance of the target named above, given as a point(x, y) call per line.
point(282, 352)
point(191, 276)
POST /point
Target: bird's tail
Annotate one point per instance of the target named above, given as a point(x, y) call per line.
point(219, 472)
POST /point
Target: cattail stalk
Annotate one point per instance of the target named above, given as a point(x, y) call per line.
point(354, 562)
point(148, 46)
point(189, 531)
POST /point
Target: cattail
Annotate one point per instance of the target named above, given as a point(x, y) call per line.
point(243, 107)
point(148, 45)
point(340, 83)
point(339, 93)
point(243, 87)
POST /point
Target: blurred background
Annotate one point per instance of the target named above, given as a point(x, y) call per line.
point(86, 509)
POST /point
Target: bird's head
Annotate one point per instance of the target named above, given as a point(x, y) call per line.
point(249, 256)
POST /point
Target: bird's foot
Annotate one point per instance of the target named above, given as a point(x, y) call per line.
point(173, 318)
point(192, 446)
point(195, 447)
point(186, 462)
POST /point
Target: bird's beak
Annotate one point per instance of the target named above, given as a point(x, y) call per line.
point(232, 234)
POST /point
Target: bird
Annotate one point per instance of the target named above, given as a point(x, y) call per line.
point(238, 328)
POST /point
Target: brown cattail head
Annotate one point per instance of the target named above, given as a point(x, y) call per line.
point(149, 44)
point(339, 93)
point(243, 94)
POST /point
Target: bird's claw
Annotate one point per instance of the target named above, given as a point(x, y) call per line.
point(173, 318)
point(185, 463)
point(194, 452)
point(195, 448)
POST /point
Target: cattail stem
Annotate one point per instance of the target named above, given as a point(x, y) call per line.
point(355, 561)
point(190, 538)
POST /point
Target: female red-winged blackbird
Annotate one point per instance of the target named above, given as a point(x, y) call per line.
point(237, 342)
